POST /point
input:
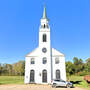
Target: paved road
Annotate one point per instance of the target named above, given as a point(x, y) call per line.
point(34, 87)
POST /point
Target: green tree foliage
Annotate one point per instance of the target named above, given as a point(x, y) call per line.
point(13, 69)
point(70, 68)
point(78, 64)
point(87, 65)
point(19, 68)
point(0, 69)
point(77, 67)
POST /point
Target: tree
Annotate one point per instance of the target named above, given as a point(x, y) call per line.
point(78, 64)
point(87, 65)
point(75, 59)
point(0, 69)
point(19, 68)
point(9, 69)
point(70, 68)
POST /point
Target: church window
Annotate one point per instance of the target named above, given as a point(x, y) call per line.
point(32, 61)
point(44, 25)
point(44, 50)
point(44, 38)
point(57, 60)
point(44, 60)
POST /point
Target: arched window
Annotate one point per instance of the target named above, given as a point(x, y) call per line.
point(58, 74)
point(44, 25)
point(44, 60)
point(44, 38)
point(32, 75)
point(44, 76)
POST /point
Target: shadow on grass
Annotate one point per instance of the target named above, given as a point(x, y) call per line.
point(64, 87)
point(76, 82)
point(1, 84)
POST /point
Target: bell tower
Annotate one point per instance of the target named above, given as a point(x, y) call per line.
point(44, 32)
point(45, 44)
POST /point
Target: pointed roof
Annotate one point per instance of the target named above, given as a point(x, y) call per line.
point(56, 53)
point(44, 13)
point(33, 53)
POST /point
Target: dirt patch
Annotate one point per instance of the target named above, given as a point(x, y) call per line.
point(34, 87)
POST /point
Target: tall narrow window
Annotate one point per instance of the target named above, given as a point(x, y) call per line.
point(32, 61)
point(56, 60)
point(44, 60)
point(44, 38)
point(44, 25)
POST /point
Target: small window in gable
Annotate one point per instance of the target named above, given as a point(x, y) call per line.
point(57, 60)
point(32, 61)
point(44, 37)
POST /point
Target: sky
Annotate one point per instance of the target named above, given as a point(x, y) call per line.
point(20, 21)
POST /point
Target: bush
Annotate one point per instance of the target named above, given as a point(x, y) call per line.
point(83, 73)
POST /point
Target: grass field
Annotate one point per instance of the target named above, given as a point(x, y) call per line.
point(11, 80)
point(76, 80)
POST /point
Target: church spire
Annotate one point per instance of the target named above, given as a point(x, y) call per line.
point(44, 13)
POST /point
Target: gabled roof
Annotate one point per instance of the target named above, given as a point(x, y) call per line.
point(36, 51)
point(33, 53)
point(56, 53)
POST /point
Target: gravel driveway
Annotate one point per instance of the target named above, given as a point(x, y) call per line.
point(34, 87)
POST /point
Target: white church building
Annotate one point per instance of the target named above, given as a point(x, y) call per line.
point(45, 63)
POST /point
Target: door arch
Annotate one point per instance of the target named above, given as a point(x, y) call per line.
point(58, 74)
point(32, 74)
point(44, 76)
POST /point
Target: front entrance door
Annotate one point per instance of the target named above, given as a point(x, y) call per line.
point(44, 76)
point(32, 73)
point(57, 74)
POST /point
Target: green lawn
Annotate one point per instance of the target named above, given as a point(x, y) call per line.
point(78, 81)
point(11, 80)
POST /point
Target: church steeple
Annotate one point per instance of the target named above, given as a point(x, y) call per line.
point(44, 33)
point(44, 21)
point(44, 13)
